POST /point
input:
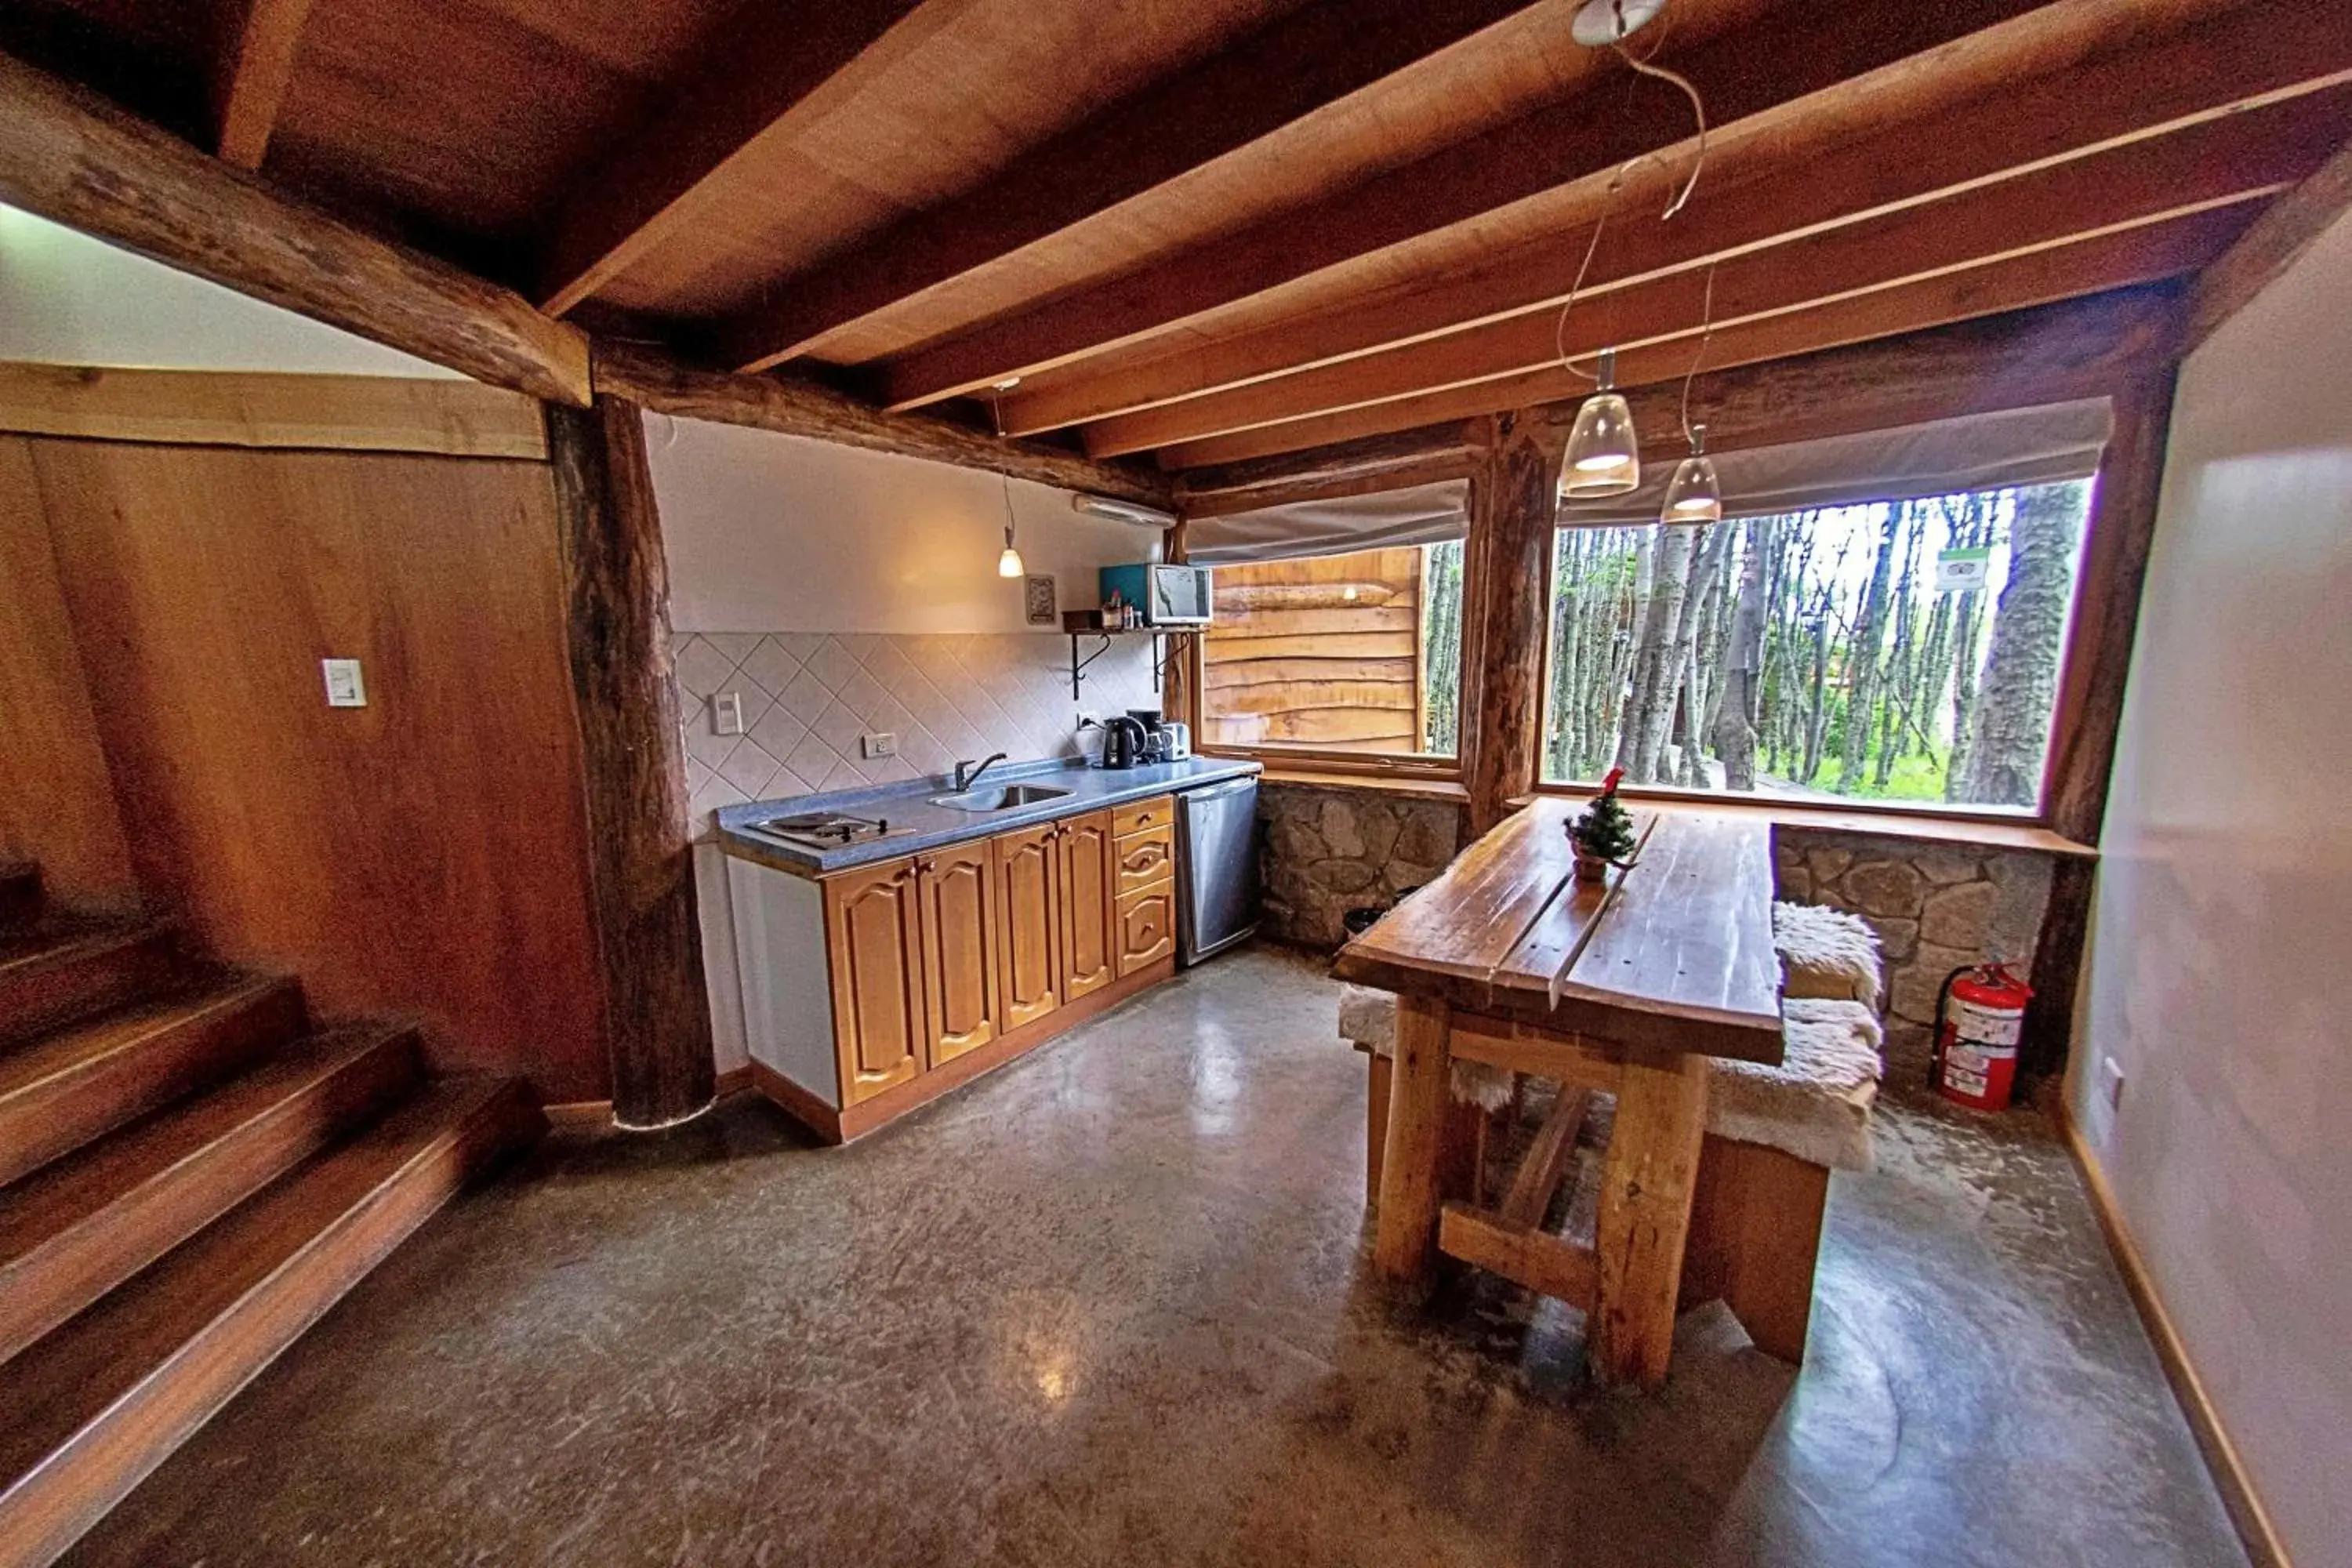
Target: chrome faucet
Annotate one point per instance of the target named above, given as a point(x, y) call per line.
point(964, 780)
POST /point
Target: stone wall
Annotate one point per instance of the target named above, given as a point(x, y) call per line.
point(1330, 849)
point(1935, 906)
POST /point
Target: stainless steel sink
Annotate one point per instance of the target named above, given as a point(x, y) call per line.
point(1003, 799)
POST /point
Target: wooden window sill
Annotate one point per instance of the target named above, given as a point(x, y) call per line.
point(1979, 832)
point(1405, 785)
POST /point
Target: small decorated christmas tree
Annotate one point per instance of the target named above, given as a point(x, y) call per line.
point(1604, 833)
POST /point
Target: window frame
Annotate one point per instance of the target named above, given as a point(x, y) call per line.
point(2066, 714)
point(1277, 757)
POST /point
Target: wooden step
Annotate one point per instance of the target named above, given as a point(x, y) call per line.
point(58, 1093)
point(58, 972)
point(101, 1400)
point(75, 1230)
point(20, 894)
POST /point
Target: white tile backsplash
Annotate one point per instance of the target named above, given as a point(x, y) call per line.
point(808, 699)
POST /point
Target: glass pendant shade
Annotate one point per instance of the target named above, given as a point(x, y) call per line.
point(1604, 458)
point(1009, 563)
point(1692, 496)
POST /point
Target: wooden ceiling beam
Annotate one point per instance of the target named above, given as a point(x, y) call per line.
point(255, 76)
point(772, 65)
point(1752, 71)
point(76, 160)
point(2078, 348)
point(2164, 251)
point(1760, 192)
point(2241, 158)
point(1300, 63)
point(2284, 231)
point(655, 381)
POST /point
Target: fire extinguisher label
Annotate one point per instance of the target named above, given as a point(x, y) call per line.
point(1992, 1031)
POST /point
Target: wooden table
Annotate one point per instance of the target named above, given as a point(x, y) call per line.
point(1622, 988)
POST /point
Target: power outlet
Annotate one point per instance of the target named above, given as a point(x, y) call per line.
point(727, 713)
point(880, 744)
point(2111, 1082)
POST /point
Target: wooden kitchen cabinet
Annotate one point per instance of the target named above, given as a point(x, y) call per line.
point(1028, 965)
point(1089, 957)
point(1147, 928)
point(956, 891)
point(879, 987)
point(874, 945)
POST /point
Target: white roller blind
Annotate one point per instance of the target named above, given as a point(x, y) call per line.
point(1980, 452)
point(1419, 514)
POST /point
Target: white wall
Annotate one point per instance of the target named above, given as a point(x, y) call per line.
point(769, 532)
point(66, 299)
point(2221, 965)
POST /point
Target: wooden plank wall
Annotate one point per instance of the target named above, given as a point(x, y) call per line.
point(424, 855)
point(1323, 652)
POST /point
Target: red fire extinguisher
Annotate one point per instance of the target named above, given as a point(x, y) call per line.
point(1978, 1014)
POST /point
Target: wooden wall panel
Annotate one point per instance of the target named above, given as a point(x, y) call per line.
point(1319, 652)
point(425, 854)
point(56, 799)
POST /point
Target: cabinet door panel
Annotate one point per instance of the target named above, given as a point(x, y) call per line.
point(1087, 888)
point(1145, 858)
point(1147, 928)
point(1027, 966)
point(874, 927)
point(960, 943)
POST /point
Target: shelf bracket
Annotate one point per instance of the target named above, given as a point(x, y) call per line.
point(1078, 666)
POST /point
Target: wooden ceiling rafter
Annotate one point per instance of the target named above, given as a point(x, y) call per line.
point(2080, 347)
point(2161, 252)
point(254, 73)
point(1750, 72)
point(1299, 64)
point(2219, 162)
point(770, 65)
point(1754, 197)
point(2269, 246)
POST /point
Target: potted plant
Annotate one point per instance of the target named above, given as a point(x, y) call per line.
point(1602, 835)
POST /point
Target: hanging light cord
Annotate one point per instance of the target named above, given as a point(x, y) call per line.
point(1705, 336)
point(996, 417)
point(1681, 199)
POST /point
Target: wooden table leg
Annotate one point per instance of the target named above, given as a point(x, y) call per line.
point(1646, 1184)
point(1406, 1246)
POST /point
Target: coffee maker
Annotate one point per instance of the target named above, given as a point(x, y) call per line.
point(1155, 733)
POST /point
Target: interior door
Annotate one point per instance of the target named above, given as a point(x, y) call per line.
point(958, 888)
point(1088, 888)
point(874, 927)
point(1027, 966)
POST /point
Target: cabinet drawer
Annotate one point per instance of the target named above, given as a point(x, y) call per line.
point(1137, 815)
point(1145, 858)
point(1147, 927)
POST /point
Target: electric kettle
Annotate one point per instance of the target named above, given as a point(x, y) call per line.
point(1122, 742)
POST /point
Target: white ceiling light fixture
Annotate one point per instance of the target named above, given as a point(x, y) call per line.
point(1602, 23)
point(1009, 563)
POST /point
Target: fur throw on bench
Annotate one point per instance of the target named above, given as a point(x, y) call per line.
point(1826, 952)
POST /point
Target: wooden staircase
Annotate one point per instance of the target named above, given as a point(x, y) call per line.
point(190, 1176)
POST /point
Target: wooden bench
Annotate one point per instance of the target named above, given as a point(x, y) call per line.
point(1773, 1135)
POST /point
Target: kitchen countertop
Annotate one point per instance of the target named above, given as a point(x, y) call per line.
point(927, 827)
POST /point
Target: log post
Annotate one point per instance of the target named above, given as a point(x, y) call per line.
point(2091, 702)
point(1513, 499)
point(658, 1014)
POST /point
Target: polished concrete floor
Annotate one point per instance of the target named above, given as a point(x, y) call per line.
point(1110, 1306)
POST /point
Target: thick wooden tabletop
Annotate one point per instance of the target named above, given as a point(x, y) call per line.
point(1675, 955)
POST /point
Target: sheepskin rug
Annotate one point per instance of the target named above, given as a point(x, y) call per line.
point(1815, 1105)
point(1826, 952)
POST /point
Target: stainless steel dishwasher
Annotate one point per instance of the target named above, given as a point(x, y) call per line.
point(1216, 861)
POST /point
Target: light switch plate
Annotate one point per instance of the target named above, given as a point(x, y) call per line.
point(345, 687)
point(883, 745)
point(727, 713)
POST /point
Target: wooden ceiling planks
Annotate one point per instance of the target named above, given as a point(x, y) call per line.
point(1757, 192)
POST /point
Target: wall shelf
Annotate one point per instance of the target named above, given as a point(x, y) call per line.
point(1164, 643)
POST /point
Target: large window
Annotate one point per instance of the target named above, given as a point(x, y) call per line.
point(1905, 651)
point(1358, 653)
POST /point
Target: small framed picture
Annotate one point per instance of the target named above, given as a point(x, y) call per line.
point(1038, 602)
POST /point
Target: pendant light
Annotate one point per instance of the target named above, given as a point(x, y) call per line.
point(1008, 564)
point(1604, 458)
point(1694, 495)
